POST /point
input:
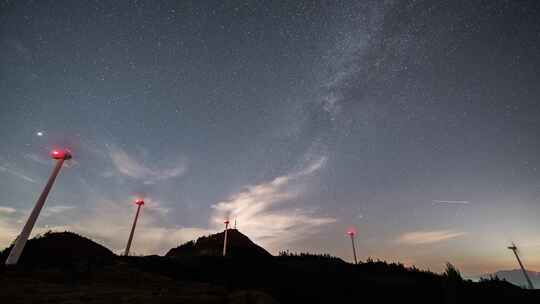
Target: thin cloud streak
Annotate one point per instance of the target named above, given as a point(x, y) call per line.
point(428, 237)
point(17, 174)
point(37, 158)
point(52, 210)
point(7, 210)
point(450, 202)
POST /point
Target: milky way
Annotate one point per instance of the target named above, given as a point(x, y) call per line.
point(299, 119)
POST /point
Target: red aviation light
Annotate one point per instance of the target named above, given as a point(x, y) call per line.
point(60, 154)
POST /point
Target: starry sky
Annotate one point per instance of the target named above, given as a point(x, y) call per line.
point(414, 122)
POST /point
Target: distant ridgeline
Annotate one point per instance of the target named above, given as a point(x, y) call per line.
point(514, 276)
point(238, 245)
point(67, 268)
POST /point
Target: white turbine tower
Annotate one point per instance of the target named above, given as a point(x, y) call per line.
point(514, 249)
point(139, 204)
point(225, 237)
point(20, 242)
point(351, 232)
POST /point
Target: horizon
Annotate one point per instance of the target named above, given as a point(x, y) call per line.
point(415, 124)
point(120, 252)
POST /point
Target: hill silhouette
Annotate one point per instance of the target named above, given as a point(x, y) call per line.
point(238, 245)
point(60, 248)
point(197, 273)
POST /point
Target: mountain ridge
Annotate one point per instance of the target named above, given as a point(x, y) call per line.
point(238, 245)
point(186, 276)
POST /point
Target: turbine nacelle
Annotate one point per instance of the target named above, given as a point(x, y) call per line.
point(60, 154)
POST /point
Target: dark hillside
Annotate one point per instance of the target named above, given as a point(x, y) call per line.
point(197, 273)
point(238, 245)
point(60, 248)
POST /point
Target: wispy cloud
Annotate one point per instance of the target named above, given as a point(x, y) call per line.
point(127, 165)
point(261, 213)
point(15, 173)
point(7, 210)
point(38, 158)
point(313, 166)
point(450, 202)
point(428, 237)
point(52, 210)
point(7, 231)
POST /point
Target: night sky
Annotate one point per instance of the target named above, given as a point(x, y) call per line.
point(415, 122)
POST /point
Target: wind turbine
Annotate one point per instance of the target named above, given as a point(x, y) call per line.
point(138, 202)
point(225, 237)
point(351, 232)
point(20, 242)
point(515, 250)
